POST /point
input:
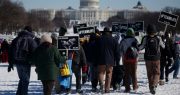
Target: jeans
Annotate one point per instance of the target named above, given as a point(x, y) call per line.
point(165, 63)
point(94, 75)
point(175, 67)
point(76, 68)
point(23, 71)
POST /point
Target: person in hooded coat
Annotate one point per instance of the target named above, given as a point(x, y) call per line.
point(130, 65)
point(20, 53)
point(47, 59)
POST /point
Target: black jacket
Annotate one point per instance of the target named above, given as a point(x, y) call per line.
point(29, 46)
point(108, 50)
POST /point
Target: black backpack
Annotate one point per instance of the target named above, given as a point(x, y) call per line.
point(152, 49)
point(20, 48)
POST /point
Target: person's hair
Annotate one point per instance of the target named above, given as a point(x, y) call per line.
point(62, 31)
point(28, 28)
point(106, 31)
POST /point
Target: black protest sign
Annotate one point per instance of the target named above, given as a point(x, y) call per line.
point(137, 26)
point(86, 31)
point(122, 27)
point(68, 42)
point(75, 27)
point(119, 27)
point(116, 28)
point(169, 19)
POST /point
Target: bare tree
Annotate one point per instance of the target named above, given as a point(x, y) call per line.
point(60, 20)
point(33, 21)
point(12, 16)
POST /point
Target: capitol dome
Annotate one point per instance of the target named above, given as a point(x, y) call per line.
point(89, 4)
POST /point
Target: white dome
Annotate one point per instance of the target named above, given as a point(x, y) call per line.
point(89, 4)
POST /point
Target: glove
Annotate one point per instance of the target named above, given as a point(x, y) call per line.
point(10, 67)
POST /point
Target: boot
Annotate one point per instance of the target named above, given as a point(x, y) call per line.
point(166, 79)
point(161, 82)
point(153, 89)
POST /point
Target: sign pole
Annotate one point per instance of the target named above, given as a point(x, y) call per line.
point(165, 28)
point(67, 53)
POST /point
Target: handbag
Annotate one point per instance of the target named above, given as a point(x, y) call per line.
point(64, 71)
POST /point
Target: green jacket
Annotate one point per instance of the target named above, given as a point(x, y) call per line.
point(47, 60)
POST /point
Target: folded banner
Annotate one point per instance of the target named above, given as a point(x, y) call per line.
point(64, 71)
point(66, 81)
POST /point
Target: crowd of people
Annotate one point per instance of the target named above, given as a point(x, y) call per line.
point(97, 57)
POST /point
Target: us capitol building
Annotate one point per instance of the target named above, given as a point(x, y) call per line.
point(89, 12)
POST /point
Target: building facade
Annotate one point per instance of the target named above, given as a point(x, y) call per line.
point(89, 12)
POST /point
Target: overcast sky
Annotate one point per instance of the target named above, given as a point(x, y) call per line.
point(152, 5)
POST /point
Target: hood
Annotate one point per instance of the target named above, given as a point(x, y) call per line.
point(26, 33)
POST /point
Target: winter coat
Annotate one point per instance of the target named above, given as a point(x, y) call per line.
point(47, 60)
point(30, 46)
point(4, 46)
point(79, 57)
point(177, 50)
point(168, 50)
point(90, 49)
point(107, 50)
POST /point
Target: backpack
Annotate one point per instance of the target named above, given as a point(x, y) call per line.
point(20, 49)
point(131, 54)
point(152, 48)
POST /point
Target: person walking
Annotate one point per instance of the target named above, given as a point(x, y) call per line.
point(20, 53)
point(166, 57)
point(130, 59)
point(152, 44)
point(79, 63)
point(175, 66)
point(108, 50)
point(47, 59)
point(54, 37)
point(91, 56)
point(4, 50)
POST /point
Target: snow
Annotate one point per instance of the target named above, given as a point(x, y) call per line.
point(9, 82)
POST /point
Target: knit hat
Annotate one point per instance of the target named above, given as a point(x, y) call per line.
point(151, 28)
point(46, 38)
point(130, 32)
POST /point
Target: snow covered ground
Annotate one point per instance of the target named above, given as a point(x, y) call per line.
point(9, 81)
